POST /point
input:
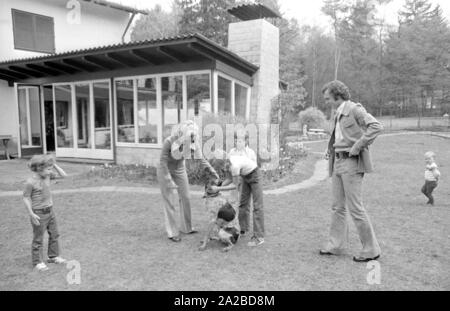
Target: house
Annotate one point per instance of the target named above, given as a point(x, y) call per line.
point(82, 90)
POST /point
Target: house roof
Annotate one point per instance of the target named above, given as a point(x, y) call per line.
point(159, 52)
point(117, 6)
point(248, 12)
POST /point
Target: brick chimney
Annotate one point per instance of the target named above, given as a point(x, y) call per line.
point(258, 41)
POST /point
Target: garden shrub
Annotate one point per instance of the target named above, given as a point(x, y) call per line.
point(313, 118)
point(290, 154)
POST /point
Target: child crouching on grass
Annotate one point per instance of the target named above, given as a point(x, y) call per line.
point(38, 201)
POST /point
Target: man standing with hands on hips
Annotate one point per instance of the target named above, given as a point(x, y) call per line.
point(349, 159)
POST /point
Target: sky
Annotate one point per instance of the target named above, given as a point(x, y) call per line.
point(307, 12)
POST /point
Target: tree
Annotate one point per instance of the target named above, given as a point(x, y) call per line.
point(208, 17)
point(157, 24)
point(319, 61)
point(292, 71)
point(336, 10)
point(418, 53)
point(360, 52)
point(414, 10)
point(358, 49)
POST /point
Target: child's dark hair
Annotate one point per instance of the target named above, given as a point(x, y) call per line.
point(226, 212)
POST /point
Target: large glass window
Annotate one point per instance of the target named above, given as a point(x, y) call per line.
point(29, 117)
point(64, 125)
point(49, 120)
point(102, 116)
point(149, 107)
point(147, 111)
point(125, 111)
point(240, 100)
point(35, 116)
point(83, 115)
point(198, 95)
point(23, 115)
point(224, 95)
point(172, 102)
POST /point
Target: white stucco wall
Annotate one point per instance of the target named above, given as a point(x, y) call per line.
point(98, 26)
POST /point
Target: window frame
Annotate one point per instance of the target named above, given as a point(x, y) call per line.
point(52, 49)
point(234, 81)
point(27, 88)
point(159, 103)
point(72, 85)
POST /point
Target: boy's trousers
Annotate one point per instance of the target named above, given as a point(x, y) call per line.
point(46, 223)
point(428, 189)
point(251, 187)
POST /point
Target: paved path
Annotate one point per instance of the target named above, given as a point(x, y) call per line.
point(320, 174)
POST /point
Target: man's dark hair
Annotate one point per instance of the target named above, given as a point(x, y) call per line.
point(337, 89)
point(226, 212)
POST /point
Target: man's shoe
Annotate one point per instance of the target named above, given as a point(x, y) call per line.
point(326, 253)
point(57, 260)
point(193, 231)
point(362, 259)
point(175, 239)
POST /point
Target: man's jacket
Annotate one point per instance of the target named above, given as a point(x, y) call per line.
point(359, 130)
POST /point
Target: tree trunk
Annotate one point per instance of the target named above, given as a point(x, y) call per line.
point(420, 109)
point(337, 58)
point(314, 75)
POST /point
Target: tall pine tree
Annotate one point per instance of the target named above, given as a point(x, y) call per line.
point(207, 17)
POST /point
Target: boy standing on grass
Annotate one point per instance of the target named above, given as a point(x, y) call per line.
point(432, 175)
point(38, 201)
point(242, 148)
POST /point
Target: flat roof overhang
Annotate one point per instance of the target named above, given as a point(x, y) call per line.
point(175, 54)
point(247, 12)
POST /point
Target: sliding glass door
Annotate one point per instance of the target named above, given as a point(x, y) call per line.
point(83, 120)
point(30, 120)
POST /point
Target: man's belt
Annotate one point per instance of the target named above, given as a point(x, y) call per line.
point(343, 155)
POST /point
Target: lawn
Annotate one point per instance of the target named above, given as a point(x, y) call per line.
point(120, 242)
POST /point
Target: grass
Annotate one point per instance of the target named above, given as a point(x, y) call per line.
point(120, 242)
point(435, 124)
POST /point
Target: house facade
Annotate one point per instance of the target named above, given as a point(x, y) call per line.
point(82, 90)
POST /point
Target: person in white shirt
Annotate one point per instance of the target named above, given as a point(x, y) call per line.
point(432, 175)
point(242, 149)
point(246, 171)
